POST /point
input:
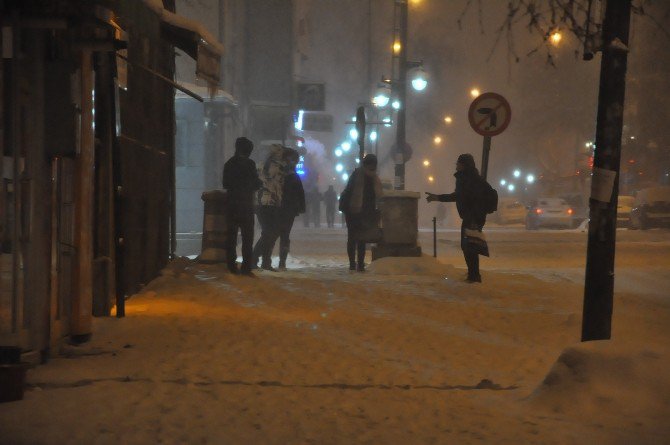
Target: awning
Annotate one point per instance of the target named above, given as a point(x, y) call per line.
point(220, 95)
point(193, 38)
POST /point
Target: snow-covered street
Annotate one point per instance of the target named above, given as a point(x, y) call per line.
point(405, 353)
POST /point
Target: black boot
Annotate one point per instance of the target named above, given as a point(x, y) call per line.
point(361, 257)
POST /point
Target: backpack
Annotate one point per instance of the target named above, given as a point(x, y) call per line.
point(488, 197)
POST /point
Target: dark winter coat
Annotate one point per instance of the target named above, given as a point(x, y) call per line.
point(293, 195)
point(364, 189)
point(240, 178)
point(467, 197)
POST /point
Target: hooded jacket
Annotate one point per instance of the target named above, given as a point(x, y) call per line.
point(240, 178)
point(466, 196)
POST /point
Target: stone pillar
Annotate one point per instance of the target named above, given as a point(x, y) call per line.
point(214, 227)
point(400, 224)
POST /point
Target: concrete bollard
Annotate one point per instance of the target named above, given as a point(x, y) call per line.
point(214, 227)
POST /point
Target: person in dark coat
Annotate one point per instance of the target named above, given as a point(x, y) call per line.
point(240, 179)
point(358, 202)
point(293, 204)
point(330, 200)
point(467, 198)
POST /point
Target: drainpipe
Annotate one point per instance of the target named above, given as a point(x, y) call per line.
point(82, 295)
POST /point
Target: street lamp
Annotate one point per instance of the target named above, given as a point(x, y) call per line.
point(437, 140)
point(382, 95)
point(448, 120)
point(530, 179)
point(517, 173)
point(419, 78)
point(474, 92)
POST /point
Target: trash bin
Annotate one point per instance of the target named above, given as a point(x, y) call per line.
point(214, 228)
point(12, 374)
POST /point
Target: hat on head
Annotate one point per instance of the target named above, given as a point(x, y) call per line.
point(370, 159)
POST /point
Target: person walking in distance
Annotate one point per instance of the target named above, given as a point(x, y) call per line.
point(330, 199)
point(240, 179)
point(358, 202)
point(468, 194)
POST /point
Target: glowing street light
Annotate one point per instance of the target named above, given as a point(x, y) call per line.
point(339, 168)
point(346, 146)
point(510, 187)
point(345, 176)
point(338, 152)
point(397, 46)
point(474, 92)
point(555, 37)
point(353, 134)
point(517, 173)
point(373, 136)
point(448, 120)
point(419, 79)
point(395, 104)
point(426, 163)
point(437, 140)
point(431, 179)
point(382, 95)
point(530, 179)
point(503, 182)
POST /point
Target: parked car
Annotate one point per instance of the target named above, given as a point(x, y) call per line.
point(510, 211)
point(549, 212)
point(580, 207)
point(651, 208)
point(623, 209)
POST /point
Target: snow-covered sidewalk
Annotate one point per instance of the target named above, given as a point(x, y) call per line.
point(406, 353)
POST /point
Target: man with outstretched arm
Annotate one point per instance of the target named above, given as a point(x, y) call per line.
point(467, 196)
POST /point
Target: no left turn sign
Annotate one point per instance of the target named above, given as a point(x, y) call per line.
point(489, 114)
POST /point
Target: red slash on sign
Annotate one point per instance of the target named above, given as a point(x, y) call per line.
point(489, 114)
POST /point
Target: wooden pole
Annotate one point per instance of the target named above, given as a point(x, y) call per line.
point(599, 282)
point(82, 296)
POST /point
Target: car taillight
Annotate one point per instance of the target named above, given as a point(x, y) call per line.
point(538, 211)
point(570, 212)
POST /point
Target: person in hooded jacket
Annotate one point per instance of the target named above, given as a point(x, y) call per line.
point(467, 197)
point(269, 203)
point(240, 179)
point(358, 202)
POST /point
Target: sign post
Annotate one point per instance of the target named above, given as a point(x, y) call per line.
point(489, 115)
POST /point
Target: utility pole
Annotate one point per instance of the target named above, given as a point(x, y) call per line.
point(401, 91)
point(599, 283)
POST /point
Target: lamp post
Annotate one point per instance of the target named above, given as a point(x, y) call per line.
point(401, 87)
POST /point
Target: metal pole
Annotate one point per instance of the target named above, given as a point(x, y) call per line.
point(434, 237)
point(599, 283)
point(401, 89)
point(485, 156)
